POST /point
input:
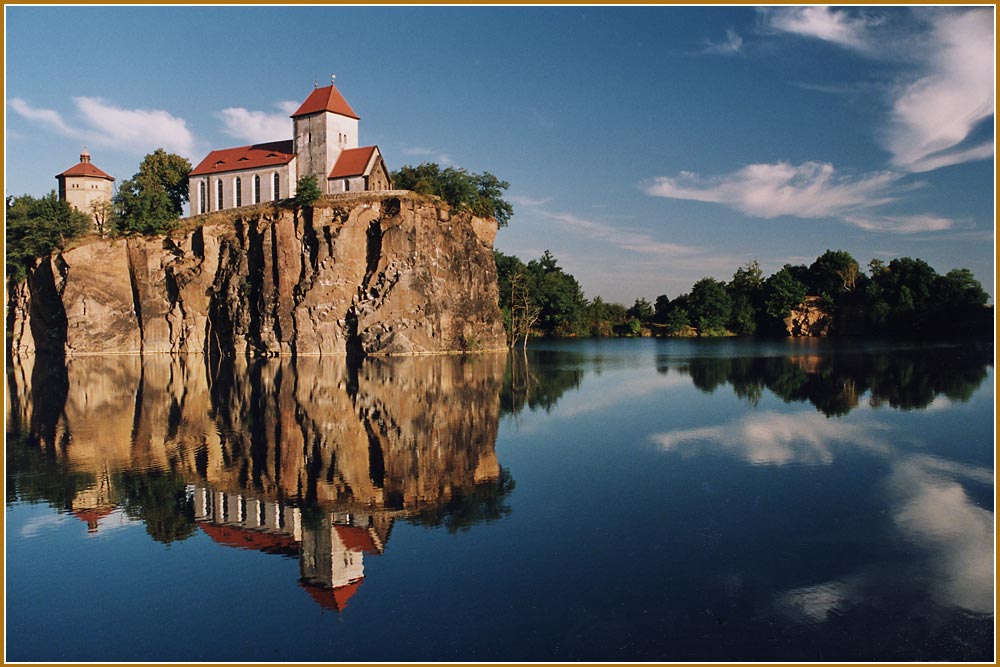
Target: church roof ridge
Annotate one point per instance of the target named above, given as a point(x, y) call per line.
point(326, 99)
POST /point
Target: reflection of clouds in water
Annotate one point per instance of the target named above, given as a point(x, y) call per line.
point(36, 525)
point(602, 395)
point(928, 503)
point(813, 604)
point(772, 438)
point(935, 512)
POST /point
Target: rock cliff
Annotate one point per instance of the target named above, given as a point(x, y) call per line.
point(379, 273)
point(809, 318)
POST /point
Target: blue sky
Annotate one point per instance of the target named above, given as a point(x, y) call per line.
point(646, 147)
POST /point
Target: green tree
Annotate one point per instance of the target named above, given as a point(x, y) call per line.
point(152, 201)
point(38, 227)
point(307, 191)
point(782, 292)
point(480, 194)
point(832, 276)
point(710, 306)
point(558, 296)
point(746, 290)
point(641, 310)
point(661, 308)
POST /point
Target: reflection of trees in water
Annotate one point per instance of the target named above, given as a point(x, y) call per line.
point(538, 379)
point(483, 502)
point(904, 379)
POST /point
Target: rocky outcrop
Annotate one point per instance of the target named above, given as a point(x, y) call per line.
point(379, 273)
point(809, 318)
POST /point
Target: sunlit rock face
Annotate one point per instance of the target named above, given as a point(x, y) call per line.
point(377, 273)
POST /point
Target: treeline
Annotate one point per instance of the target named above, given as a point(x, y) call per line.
point(905, 297)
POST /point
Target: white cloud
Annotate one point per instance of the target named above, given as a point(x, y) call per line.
point(258, 126)
point(104, 124)
point(808, 190)
point(530, 201)
point(47, 117)
point(902, 224)
point(935, 114)
point(432, 155)
point(137, 130)
point(934, 111)
point(730, 46)
point(838, 27)
point(633, 241)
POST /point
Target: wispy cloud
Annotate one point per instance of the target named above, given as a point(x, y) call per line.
point(258, 126)
point(429, 154)
point(730, 46)
point(934, 115)
point(902, 224)
point(936, 108)
point(849, 30)
point(808, 190)
point(530, 201)
point(633, 241)
point(102, 123)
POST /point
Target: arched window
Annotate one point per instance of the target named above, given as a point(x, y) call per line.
point(218, 195)
point(239, 191)
point(202, 197)
point(277, 187)
point(256, 188)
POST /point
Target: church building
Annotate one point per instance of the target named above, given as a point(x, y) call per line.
point(83, 185)
point(324, 144)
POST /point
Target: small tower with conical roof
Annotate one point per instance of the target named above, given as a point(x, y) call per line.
point(84, 185)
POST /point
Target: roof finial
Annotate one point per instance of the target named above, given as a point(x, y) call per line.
point(315, 83)
point(333, 78)
point(84, 156)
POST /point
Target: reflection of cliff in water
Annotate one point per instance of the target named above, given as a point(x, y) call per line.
point(835, 383)
point(310, 457)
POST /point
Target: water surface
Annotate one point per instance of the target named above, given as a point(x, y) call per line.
point(664, 500)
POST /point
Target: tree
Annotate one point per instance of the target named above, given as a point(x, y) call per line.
point(641, 310)
point(559, 296)
point(102, 211)
point(710, 306)
point(480, 194)
point(746, 290)
point(37, 227)
point(307, 191)
point(661, 308)
point(782, 292)
point(152, 201)
point(833, 275)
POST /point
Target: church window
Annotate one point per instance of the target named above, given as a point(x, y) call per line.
point(202, 203)
point(239, 191)
point(256, 188)
point(218, 195)
point(347, 185)
point(277, 186)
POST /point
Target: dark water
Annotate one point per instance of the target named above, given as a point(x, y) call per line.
point(603, 501)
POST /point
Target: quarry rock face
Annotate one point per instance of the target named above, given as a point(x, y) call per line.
point(379, 273)
point(809, 318)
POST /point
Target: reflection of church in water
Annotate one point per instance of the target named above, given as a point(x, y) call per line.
point(331, 553)
point(307, 458)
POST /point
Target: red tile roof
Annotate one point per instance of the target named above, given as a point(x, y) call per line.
point(352, 162)
point(274, 153)
point(326, 99)
point(356, 539)
point(85, 169)
point(334, 599)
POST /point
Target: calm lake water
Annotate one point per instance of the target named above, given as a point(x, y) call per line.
point(615, 500)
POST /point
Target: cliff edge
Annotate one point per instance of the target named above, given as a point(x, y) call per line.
point(381, 273)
